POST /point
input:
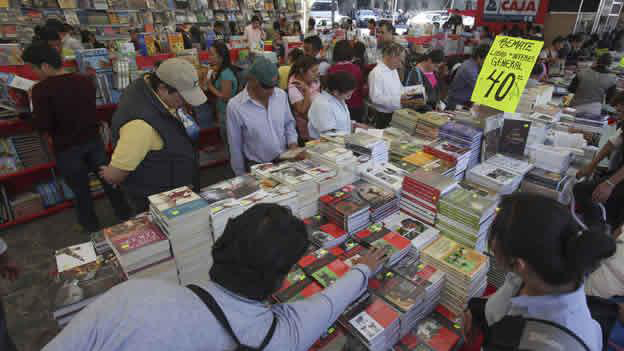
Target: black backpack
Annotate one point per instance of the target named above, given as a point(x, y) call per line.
point(213, 306)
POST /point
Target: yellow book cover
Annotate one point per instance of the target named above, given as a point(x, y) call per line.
point(4, 4)
point(113, 18)
point(435, 118)
point(176, 43)
point(420, 158)
point(465, 261)
point(149, 45)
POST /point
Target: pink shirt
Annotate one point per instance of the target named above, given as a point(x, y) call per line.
point(432, 78)
point(295, 95)
point(253, 36)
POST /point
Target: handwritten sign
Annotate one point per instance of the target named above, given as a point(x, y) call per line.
point(505, 72)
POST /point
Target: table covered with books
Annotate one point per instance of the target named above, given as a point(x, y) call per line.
point(426, 189)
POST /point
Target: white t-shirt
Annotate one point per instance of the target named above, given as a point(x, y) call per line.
point(328, 114)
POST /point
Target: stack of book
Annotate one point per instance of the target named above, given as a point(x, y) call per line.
point(450, 151)
point(421, 193)
point(510, 164)
point(465, 136)
point(466, 271)
point(324, 176)
point(50, 192)
point(426, 276)
point(362, 143)
point(387, 176)
point(403, 294)
point(345, 209)
point(185, 218)
point(336, 156)
point(399, 151)
point(429, 124)
point(301, 181)
point(465, 215)
point(435, 332)
point(412, 229)
point(142, 249)
point(323, 266)
point(492, 177)
point(381, 201)
point(76, 287)
point(550, 158)
point(9, 160)
point(540, 181)
point(376, 235)
point(328, 235)
point(421, 160)
point(30, 149)
point(24, 205)
point(373, 321)
point(405, 119)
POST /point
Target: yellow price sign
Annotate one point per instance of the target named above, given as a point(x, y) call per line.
point(505, 72)
point(622, 62)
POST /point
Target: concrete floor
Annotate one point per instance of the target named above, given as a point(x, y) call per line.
point(27, 301)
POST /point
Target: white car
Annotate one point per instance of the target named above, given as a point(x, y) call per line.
point(426, 17)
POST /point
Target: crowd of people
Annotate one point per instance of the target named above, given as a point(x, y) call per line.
point(266, 110)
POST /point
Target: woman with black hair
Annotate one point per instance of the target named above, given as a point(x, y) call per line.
point(423, 72)
point(343, 58)
point(593, 87)
point(548, 256)
point(304, 86)
point(329, 112)
point(223, 83)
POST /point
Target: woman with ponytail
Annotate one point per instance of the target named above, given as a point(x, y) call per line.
point(547, 255)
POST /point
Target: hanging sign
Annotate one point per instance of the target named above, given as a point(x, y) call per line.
point(510, 10)
point(505, 72)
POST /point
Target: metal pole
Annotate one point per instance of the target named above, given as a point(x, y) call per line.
point(452, 4)
point(578, 15)
point(332, 13)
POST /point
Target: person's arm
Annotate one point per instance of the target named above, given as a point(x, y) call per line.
point(322, 117)
point(42, 118)
point(290, 128)
point(302, 106)
point(225, 92)
point(310, 318)
point(235, 140)
point(136, 139)
point(379, 96)
point(591, 167)
point(603, 191)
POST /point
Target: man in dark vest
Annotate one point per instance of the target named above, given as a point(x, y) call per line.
point(153, 152)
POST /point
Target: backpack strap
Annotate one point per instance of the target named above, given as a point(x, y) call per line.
point(216, 310)
point(519, 333)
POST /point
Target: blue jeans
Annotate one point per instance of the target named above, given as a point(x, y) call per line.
point(74, 164)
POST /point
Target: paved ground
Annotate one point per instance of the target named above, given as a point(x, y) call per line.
point(31, 245)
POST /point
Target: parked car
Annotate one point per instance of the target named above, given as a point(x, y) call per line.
point(363, 16)
point(426, 17)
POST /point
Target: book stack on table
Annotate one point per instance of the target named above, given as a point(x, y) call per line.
point(421, 193)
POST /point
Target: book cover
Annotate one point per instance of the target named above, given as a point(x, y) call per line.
point(371, 234)
point(466, 261)
point(314, 223)
point(328, 274)
point(328, 232)
point(374, 316)
point(314, 260)
point(435, 332)
point(514, 137)
point(373, 195)
point(142, 235)
point(174, 199)
point(413, 269)
point(176, 42)
point(74, 256)
point(147, 46)
point(400, 292)
point(392, 243)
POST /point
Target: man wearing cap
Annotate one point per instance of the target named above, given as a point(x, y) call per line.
point(153, 152)
point(260, 125)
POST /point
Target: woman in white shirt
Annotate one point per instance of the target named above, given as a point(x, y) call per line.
point(329, 111)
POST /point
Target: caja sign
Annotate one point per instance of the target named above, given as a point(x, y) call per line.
point(511, 10)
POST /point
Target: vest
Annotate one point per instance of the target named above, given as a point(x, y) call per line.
point(176, 164)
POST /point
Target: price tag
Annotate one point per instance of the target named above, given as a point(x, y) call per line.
point(505, 72)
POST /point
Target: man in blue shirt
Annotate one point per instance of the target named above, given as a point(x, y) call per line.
point(260, 125)
point(251, 260)
point(465, 78)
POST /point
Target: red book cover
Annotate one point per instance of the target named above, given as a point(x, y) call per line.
point(439, 154)
point(346, 249)
point(420, 202)
point(133, 234)
point(333, 198)
point(315, 260)
point(314, 223)
point(333, 230)
point(420, 190)
point(436, 332)
point(383, 313)
point(328, 274)
point(371, 234)
point(393, 242)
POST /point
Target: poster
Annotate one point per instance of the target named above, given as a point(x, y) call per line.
point(512, 10)
point(505, 72)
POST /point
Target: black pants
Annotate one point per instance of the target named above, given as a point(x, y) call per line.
point(74, 164)
point(139, 202)
point(357, 114)
point(382, 120)
point(592, 214)
point(5, 340)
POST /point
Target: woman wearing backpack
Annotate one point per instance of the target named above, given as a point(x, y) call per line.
point(547, 255)
point(222, 84)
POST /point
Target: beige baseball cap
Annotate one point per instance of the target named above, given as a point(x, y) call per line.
point(182, 75)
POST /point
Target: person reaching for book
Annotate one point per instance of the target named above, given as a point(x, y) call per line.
point(9, 271)
point(251, 259)
point(548, 256)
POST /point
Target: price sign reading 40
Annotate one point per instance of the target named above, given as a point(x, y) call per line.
point(505, 71)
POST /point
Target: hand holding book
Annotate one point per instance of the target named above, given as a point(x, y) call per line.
point(374, 259)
